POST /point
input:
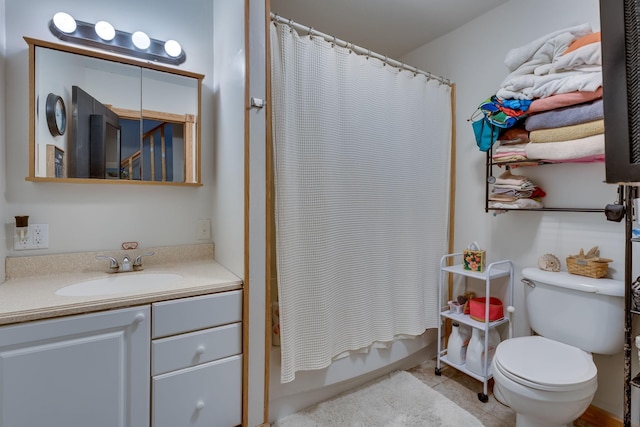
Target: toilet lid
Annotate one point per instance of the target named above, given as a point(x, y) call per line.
point(544, 364)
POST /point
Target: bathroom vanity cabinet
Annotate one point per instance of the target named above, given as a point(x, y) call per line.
point(493, 271)
point(86, 370)
point(196, 355)
point(170, 363)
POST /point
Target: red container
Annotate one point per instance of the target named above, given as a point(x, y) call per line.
point(477, 307)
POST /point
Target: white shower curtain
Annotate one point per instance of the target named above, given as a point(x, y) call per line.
point(361, 155)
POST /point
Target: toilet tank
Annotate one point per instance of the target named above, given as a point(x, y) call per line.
point(580, 311)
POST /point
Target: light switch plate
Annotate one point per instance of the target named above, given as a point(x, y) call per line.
point(204, 229)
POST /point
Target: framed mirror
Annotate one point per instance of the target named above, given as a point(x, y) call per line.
point(101, 118)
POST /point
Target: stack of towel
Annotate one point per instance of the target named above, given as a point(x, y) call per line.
point(573, 133)
point(561, 73)
point(512, 145)
point(515, 192)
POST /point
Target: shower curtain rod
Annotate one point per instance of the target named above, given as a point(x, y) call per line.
point(357, 49)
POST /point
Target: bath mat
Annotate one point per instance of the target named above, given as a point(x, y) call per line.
point(397, 400)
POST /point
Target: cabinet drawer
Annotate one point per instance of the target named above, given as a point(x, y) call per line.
point(206, 395)
point(182, 351)
point(192, 314)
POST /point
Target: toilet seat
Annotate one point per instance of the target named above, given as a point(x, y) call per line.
point(543, 364)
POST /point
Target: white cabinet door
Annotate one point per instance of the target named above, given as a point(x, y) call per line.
point(207, 395)
point(78, 371)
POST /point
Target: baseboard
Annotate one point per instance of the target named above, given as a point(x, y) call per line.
point(600, 417)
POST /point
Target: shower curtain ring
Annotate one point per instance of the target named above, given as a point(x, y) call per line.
point(311, 33)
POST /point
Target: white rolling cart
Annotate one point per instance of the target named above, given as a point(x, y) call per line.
point(493, 271)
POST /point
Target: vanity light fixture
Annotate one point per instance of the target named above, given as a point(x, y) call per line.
point(103, 35)
point(172, 48)
point(64, 22)
point(141, 40)
point(105, 30)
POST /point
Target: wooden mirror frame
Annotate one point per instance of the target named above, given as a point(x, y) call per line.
point(190, 154)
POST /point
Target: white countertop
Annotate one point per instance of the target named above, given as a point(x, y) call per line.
point(31, 298)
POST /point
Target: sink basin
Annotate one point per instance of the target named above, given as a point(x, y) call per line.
point(118, 283)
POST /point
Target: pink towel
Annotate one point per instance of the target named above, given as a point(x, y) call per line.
point(563, 100)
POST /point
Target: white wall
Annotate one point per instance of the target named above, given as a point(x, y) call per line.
point(3, 204)
point(227, 159)
point(257, 217)
point(473, 58)
point(94, 217)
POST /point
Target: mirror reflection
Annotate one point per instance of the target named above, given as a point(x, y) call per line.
point(101, 117)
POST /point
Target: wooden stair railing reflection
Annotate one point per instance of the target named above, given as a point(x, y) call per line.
point(190, 147)
point(151, 136)
point(129, 163)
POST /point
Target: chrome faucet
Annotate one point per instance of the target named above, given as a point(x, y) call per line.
point(125, 265)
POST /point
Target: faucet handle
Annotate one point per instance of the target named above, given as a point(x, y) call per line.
point(113, 265)
point(137, 264)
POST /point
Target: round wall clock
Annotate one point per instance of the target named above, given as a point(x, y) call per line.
point(56, 114)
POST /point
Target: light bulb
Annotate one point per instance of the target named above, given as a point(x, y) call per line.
point(105, 30)
point(140, 40)
point(64, 22)
point(172, 48)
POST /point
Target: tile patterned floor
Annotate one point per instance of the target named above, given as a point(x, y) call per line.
point(463, 390)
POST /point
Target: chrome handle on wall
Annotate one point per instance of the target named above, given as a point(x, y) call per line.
point(257, 103)
point(528, 282)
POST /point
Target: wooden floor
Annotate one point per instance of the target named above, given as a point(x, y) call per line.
point(463, 390)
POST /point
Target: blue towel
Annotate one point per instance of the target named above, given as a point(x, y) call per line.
point(567, 116)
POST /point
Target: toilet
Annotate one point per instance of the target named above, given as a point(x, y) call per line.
point(549, 379)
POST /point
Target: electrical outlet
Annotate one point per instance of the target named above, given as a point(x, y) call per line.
point(40, 235)
point(204, 229)
point(37, 238)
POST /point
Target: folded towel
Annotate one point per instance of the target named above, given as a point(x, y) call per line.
point(530, 86)
point(535, 51)
point(507, 147)
point(583, 41)
point(502, 197)
point(517, 204)
point(567, 116)
point(585, 159)
point(563, 100)
point(567, 150)
point(517, 132)
point(586, 58)
point(507, 178)
point(510, 158)
point(504, 194)
point(566, 133)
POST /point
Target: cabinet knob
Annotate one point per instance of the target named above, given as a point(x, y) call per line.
point(139, 317)
point(199, 405)
point(200, 349)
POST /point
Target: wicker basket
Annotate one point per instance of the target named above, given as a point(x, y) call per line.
point(596, 268)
